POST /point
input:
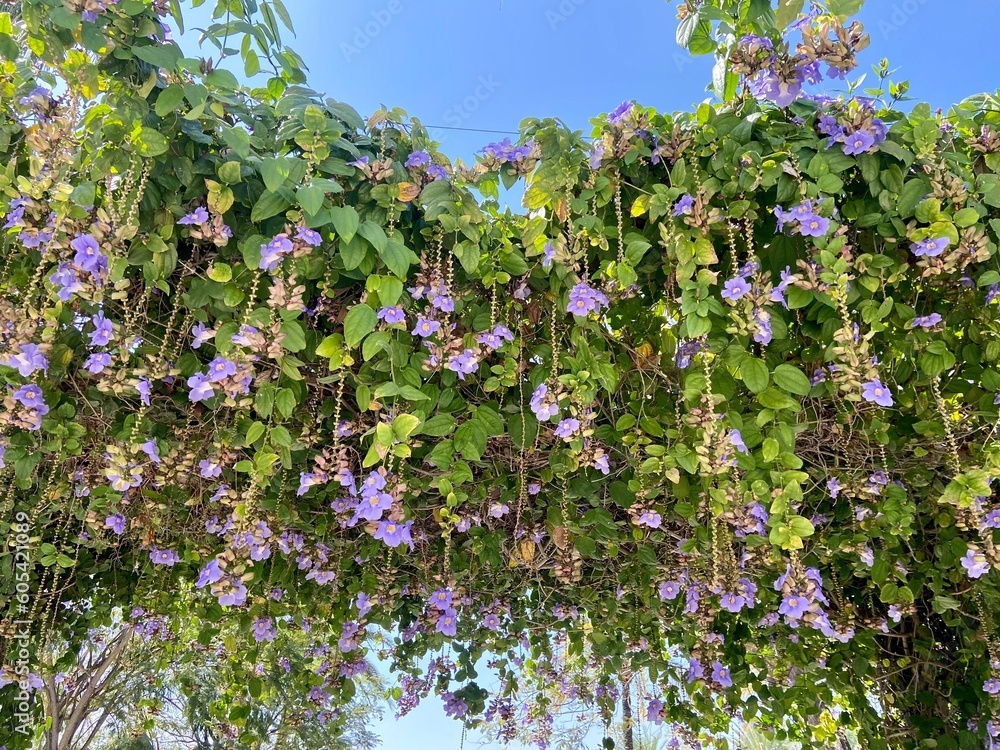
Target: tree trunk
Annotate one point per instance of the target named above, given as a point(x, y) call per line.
point(628, 739)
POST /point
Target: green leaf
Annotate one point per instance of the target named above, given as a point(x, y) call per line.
point(790, 378)
point(438, 426)
point(788, 12)
point(470, 440)
point(285, 401)
point(345, 221)
point(586, 546)
point(397, 256)
point(845, 7)
point(311, 199)
point(269, 204)
point(274, 172)
point(913, 194)
point(295, 336)
point(800, 526)
point(374, 234)
point(221, 272)
point(405, 425)
point(255, 432)
point(221, 78)
point(160, 55)
point(279, 8)
point(230, 172)
point(151, 142)
point(755, 375)
point(772, 398)
point(168, 100)
point(359, 322)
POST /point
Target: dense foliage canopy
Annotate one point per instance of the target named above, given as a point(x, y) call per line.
point(720, 409)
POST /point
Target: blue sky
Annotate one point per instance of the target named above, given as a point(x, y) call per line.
point(488, 64)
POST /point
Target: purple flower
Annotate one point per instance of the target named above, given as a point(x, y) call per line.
point(201, 387)
point(103, 330)
point(442, 302)
point(309, 236)
point(567, 428)
point(441, 599)
point(620, 112)
point(720, 675)
point(143, 387)
point(418, 159)
point(426, 327)
point(695, 670)
point(220, 368)
point(833, 486)
point(198, 216)
point(650, 519)
point(65, 277)
point(88, 253)
point(584, 299)
point(548, 255)
point(29, 395)
point(597, 154)
point(655, 714)
point(669, 590)
point(362, 162)
point(793, 607)
point(28, 360)
point(394, 534)
point(263, 630)
point(926, 321)
point(164, 557)
point(149, 448)
point(437, 172)
point(814, 226)
point(210, 574)
point(763, 334)
point(309, 479)
point(684, 206)
point(209, 469)
point(877, 393)
point(464, 364)
point(543, 408)
point(373, 505)
point(975, 563)
point(736, 438)
point(992, 686)
point(115, 522)
point(767, 85)
point(363, 603)
point(732, 602)
point(778, 293)
point(930, 248)
point(272, 253)
point(447, 623)
point(735, 288)
point(491, 622)
point(602, 465)
point(202, 335)
point(858, 142)
point(392, 315)
point(992, 520)
point(693, 598)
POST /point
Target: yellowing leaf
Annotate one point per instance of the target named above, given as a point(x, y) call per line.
point(641, 205)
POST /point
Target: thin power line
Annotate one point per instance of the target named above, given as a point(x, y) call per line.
point(474, 130)
point(484, 130)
